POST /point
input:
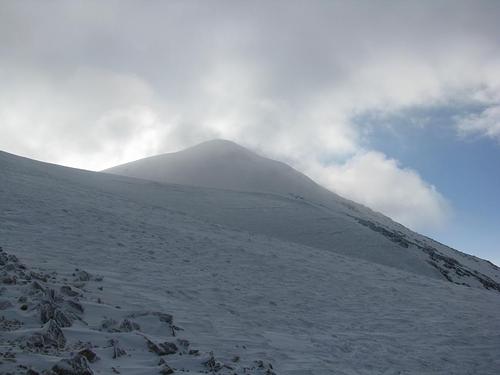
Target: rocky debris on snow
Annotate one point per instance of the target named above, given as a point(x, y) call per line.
point(42, 298)
point(164, 348)
point(50, 335)
point(447, 266)
point(166, 370)
point(52, 307)
point(265, 366)
point(89, 354)
point(9, 324)
point(396, 237)
point(212, 364)
point(84, 276)
point(118, 351)
point(81, 275)
point(7, 356)
point(77, 365)
point(450, 268)
point(183, 345)
point(109, 325)
point(128, 325)
point(49, 311)
point(9, 280)
point(40, 276)
point(5, 259)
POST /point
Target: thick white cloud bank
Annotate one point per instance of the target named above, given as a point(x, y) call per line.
point(378, 182)
point(95, 84)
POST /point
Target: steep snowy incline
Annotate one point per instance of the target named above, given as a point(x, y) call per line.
point(305, 309)
point(223, 164)
point(317, 217)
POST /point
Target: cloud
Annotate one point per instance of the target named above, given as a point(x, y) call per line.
point(91, 119)
point(486, 123)
point(381, 183)
point(100, 83)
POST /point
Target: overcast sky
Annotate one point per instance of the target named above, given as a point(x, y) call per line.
point(361, 96)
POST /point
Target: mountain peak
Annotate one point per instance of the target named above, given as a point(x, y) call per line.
point(219, 142)
point(220, 164)
point(218, 146)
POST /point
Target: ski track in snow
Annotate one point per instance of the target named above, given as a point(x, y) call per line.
point(304, 309)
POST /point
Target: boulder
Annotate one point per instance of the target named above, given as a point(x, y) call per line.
point(50, 311)
point(128, 326)
point(89, 354)
point(51, 335)
point(117, 350)
point(163, 348)
point(77, 365)
point(82, 275)
point(166, 370)
point(212, 364)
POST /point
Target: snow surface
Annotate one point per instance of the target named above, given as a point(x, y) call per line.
point(309, 286)
point(306, 213)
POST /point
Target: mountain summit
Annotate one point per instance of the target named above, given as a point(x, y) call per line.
point(220, 164)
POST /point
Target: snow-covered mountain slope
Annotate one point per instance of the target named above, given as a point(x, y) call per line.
point(220, 164)
point(233, 286)
point(301, 211)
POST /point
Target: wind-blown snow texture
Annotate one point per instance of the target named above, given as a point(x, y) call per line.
point(307, 212)
point(311, 286)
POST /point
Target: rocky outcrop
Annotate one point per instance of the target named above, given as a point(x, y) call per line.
point(163, 348)
point(77, 365)
point(50, 335)
point(450, 268)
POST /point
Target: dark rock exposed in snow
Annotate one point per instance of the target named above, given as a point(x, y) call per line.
point(128, 325)
point(166, 370)
point(118, 351)
point(163, 348)
point(50, 311)
point(82, 275)
point(43, 298)
point(77, 365)
point(451, 269)
point(50, 335)
point(89, 354)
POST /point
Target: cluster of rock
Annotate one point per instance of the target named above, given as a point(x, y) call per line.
point(38, 310)
point(54, 310)
point(450, 268)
